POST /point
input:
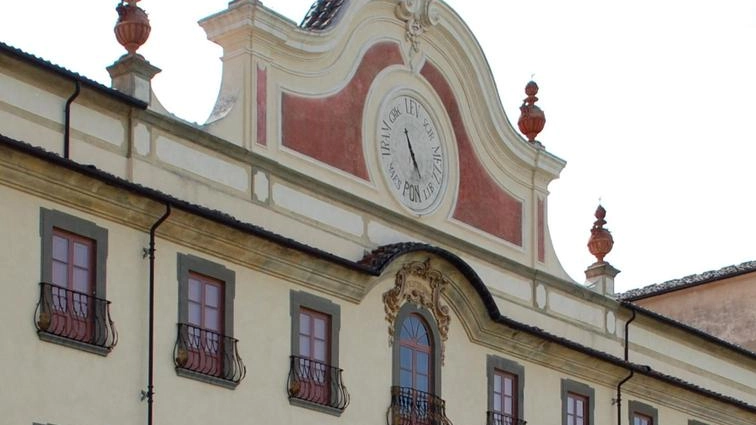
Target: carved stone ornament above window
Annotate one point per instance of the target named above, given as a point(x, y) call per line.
point(418, 15)
point(418, 283)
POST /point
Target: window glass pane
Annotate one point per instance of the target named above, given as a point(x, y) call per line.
point(81, 280)
point(570, 405)
point(304, 346)
point(508, 385)
point(319, 327)
point(195, 290)
point(81, 255)
point(406, 332)
point(421, 383)
point(320, 351)
point(422, 363)
point(212, 295)
point(497, 383)
point(508, 405)
point(422, 333)
point(59, 274)
point(497, 403)
point(60, 249)
point(405, 378)
point(194, 314)
point(405, 358)
point(570, 420)
point(212, 320)
point(579, 407)
point(304, 323)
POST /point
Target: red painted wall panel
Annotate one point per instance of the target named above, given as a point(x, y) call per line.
point(481, 202)
point(541, 230)
point(262, 106)
point(329, 128)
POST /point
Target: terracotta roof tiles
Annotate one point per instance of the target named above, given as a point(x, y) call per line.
point(688, 281)
point(322, 14)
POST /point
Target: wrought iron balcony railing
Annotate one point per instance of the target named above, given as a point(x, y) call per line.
point(208, 353)
point(495, 418)
point(64, 314)
point(412, 407)
point(318, 383)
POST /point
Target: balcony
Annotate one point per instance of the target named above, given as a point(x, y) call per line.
point(208, 356)
point(412, 407)
point(317, 384)
point(495, 418)
point(75, 319)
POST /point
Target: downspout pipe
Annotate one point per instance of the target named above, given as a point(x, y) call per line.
point(150, 356)
point(67, 128)
point(618, 400)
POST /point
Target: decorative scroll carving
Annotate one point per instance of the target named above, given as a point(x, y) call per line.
point(419, 15)
point(421, 285)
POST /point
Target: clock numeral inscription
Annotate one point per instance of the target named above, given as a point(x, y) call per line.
point(410, 149)
point(385, 138)
point(438, 172)
point(394, 176)
point(411, 107)
point(429, 130)
point(412, 192)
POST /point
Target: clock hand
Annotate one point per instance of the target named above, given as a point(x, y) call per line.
point(412, 154)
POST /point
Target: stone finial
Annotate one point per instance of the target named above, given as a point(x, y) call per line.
point(131, 73)
point(601, 242)
point(600, 275)
point(532, 119)
point(133, 26)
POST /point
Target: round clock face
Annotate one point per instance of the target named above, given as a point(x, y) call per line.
point(412, 156)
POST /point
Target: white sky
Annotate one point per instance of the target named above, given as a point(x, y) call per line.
point(651, 102)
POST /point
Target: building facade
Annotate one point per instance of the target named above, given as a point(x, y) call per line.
point(718, 302)
point(357, 235)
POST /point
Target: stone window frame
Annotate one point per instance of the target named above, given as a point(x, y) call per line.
point(404, 312)
point(635, 406)
point(579, 388)
point(186, 264)
point(494, 363)
point(299, 300)
point(54, 219)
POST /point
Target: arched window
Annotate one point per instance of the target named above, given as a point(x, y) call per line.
point(415, 352)
point(416, 392)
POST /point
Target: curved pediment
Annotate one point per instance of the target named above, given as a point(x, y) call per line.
point(326, 99)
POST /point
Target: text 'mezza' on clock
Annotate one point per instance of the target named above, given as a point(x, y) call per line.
point(411, 152)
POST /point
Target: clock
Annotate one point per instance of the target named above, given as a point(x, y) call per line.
point(411, 153)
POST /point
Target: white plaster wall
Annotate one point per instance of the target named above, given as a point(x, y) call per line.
point(211, 167)
point(66, 386)
point(59, 384)
point(504, 284)
point(105, 128)
point(651, 347)
point(31, 99)
point(381, 234)
point(318, 210)
point(26, 130)
point(583, 312)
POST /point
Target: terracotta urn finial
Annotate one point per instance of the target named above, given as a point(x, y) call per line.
point(133, 27)
point(601, 241)
point(532, 119)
